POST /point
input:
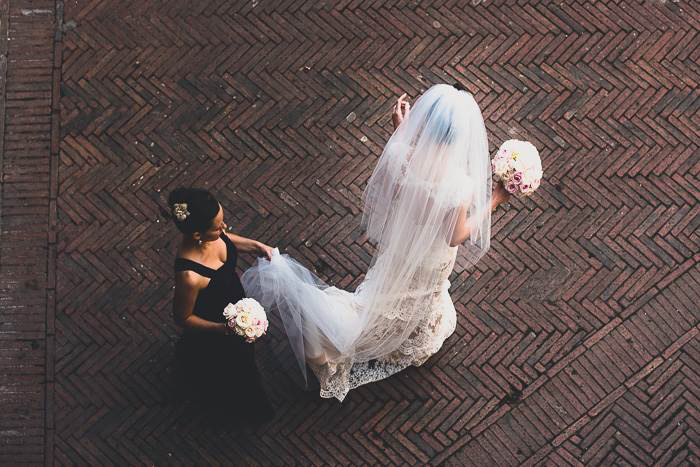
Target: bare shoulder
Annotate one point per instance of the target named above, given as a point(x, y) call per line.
point(190, 280)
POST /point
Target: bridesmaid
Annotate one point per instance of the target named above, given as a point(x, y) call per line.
point(217, 368)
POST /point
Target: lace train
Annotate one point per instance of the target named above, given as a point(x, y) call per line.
point(338, 378)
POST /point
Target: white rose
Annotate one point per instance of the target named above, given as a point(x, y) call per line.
point(531, 154)
point(535, 165)
point(253, 308)
point(518, 166)
point(251, 332)
point(230, 311)
point(509, 145)
point(244, 319)
point(260, 314)
point(525, 149)
point(500, 167)
point(528, 177)
point(259, 331)
point(538, 171)
point(525, 159)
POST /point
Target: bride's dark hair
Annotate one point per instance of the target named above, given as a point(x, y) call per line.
point(200, 210)
point(442, 129)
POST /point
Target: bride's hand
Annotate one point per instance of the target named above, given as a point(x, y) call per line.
point(499, 195)
point(401, 109)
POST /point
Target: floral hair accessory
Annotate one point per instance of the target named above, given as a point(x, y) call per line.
point(180, 211)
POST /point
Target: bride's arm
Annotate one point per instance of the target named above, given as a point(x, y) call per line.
point(462, 228)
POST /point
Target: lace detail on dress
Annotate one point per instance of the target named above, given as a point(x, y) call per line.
point(338, 378)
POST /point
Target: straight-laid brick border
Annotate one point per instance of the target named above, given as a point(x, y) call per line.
point(29, 85)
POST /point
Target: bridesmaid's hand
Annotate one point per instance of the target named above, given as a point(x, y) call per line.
point(264, 250)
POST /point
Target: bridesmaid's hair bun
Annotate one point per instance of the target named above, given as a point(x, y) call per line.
point(192, 209)
point(459, 87)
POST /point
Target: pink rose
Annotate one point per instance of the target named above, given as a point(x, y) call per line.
point(518, 177)
point(511, 187)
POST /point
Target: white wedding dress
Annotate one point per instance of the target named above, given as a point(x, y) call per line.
point(433, 174)
point(437, 324)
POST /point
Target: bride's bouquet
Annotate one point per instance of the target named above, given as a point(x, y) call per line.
point(518, 166)
point(246, 318)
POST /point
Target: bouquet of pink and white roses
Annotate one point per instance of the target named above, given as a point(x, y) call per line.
point(246, 318)
point(518, 166)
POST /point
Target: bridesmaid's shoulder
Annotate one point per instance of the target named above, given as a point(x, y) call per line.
point(190, 279)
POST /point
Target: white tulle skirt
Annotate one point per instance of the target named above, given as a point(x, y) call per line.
point(323, 323)
point(337, 378)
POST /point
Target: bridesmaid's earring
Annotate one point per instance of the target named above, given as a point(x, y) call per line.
point(199, 242)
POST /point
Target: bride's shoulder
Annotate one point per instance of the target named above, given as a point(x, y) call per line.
point(396, 157)
point(460, 185)
point(398, 143)
point(397, 147)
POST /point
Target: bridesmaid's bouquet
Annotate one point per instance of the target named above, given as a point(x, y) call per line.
point(246, 318)
point(518, 166)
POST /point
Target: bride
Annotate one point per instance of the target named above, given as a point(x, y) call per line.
point(429, 193)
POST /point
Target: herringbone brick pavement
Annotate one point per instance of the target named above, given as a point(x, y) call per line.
point(577, 336)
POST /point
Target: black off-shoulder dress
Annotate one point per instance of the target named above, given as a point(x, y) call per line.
point(218, 372)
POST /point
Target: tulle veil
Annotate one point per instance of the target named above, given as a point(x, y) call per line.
point(433, 171)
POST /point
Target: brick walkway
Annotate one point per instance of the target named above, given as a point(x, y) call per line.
point(577, 341)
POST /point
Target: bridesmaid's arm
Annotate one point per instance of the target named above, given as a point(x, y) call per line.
point(247, 245)
point(187, 286)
